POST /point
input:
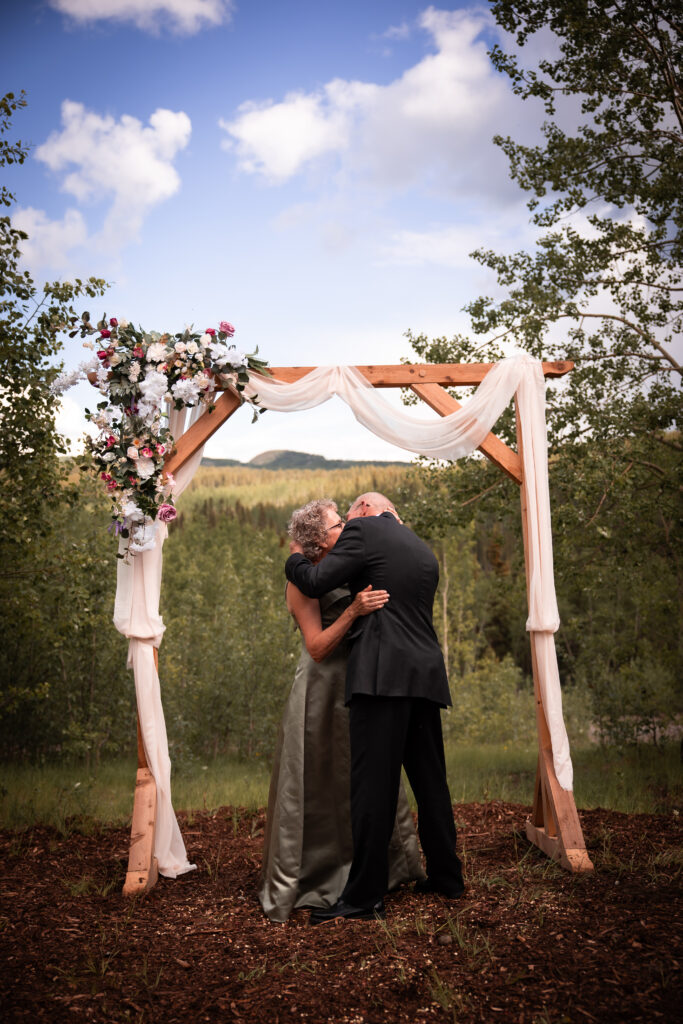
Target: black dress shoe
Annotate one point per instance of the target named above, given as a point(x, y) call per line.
point(425, 887)
point(347, 912)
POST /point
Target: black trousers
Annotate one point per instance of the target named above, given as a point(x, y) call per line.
point(387, 732)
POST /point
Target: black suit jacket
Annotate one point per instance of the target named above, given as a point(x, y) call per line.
point(394, 651)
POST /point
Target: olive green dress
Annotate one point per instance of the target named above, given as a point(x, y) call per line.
point(308, 848)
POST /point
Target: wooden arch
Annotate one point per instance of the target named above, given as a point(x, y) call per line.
point(554, 822)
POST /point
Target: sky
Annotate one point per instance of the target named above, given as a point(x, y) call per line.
point(317, 173)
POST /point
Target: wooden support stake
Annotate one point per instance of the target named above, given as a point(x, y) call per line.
point(554, 824)
point(142, 871)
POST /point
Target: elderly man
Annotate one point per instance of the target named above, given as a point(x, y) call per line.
point(396, 684)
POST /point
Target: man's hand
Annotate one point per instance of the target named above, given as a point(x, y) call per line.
point(295, 548)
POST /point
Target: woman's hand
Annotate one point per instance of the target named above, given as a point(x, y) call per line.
point(367, 601)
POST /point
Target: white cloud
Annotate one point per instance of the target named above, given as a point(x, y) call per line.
point(49, 241)
point(451, 245)
point(432, 126)
point(183, 16)
point(123, 160)
point(401, 31)
point(277, 139)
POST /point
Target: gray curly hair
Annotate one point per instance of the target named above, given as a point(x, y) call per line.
point(307, 526)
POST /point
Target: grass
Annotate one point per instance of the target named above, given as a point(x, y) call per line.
point(642, 779)
point(632, 779)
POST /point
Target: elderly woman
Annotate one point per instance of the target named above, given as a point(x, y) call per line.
point(308, 846)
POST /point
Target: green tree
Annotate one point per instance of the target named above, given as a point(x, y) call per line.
point(31, 320)
point(603, 288)
point(41, 561)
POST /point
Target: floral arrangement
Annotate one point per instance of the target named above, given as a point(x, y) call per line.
point(139, 373)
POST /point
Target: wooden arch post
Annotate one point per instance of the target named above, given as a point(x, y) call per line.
point(554, 823)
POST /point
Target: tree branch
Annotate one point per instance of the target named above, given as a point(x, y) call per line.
point(600, 503)
point(634, 327)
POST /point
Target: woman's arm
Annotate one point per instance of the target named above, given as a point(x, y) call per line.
point(306, 610)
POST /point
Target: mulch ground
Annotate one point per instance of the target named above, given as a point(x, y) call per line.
point(529, 943)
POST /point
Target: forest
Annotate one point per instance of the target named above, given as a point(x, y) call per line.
point(229, 653)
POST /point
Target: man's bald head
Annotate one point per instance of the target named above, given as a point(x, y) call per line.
point(372, 503)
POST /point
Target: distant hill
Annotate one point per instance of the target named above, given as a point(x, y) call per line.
point(297, 460)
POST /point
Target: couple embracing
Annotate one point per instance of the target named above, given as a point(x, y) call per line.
point(366, 700)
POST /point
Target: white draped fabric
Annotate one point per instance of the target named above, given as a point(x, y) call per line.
point(136, 613)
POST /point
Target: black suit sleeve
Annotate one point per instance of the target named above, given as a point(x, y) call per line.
point(345, 560)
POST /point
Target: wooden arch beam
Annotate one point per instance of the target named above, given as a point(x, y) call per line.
point(405, 375)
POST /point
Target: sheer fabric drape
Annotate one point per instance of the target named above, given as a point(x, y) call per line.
point(136, 615)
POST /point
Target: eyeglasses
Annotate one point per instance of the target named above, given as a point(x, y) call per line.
point(336, 526)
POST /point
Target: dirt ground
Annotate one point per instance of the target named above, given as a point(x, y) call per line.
point(529, 943)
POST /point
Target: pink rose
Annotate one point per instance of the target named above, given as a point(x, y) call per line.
point(227, 328)
point(210, 330)
point(161, 449)
point(112, 485)
point(105, 476)
point(166, 513)
point(105, 334)
point(113, 322)
point(102, 354)
point(138, 352)
point(111, 440)
point(147, 452)
point(170, 481)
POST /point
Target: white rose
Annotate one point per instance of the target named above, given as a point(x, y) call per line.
point(123, 324)
point(108, 457)
point(114, 359)
point(145, 467)
point(205, 340)
point(192, 347)
point(156, 352)
point(132, 452)
point(180, 346)
point(186, 391)
point(131, 511)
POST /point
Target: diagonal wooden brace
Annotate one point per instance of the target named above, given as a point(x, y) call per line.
point(201, 430)
point(492, 447)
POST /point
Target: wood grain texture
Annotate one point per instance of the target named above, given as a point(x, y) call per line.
point(397, 376)
point(200, 431)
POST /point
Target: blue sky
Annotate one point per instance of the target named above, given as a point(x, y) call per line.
point(315, 172)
